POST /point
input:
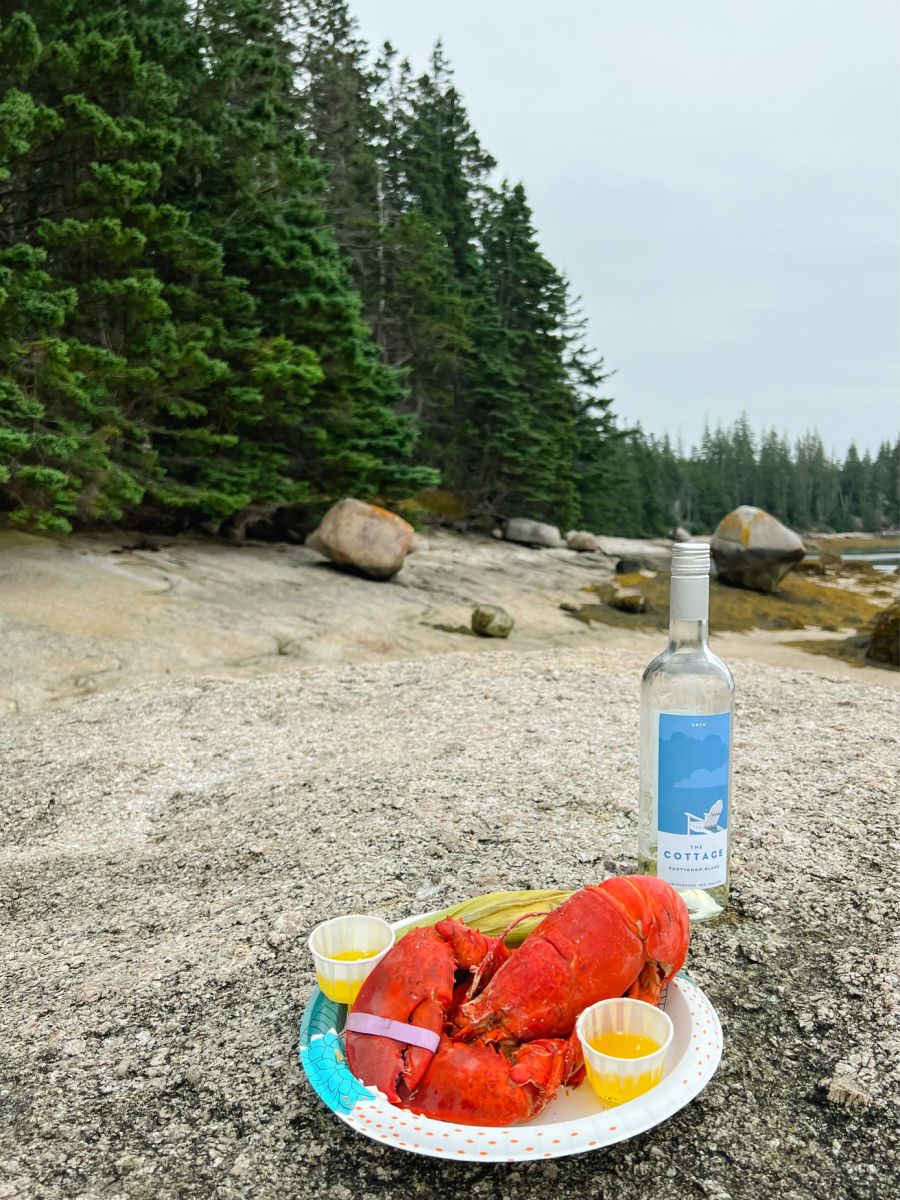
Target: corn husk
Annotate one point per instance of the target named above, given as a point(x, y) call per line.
point(494, 912)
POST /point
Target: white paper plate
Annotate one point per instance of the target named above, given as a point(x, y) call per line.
point(572, 1123)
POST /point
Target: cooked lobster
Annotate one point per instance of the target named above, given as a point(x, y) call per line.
point(503, 1020)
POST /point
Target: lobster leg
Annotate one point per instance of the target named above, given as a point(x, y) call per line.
point(545, 1064)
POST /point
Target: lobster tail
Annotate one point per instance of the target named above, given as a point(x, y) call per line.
point(658, 915)
point(627, 935)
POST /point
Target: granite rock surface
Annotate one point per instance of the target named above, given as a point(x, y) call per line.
point(167, 849)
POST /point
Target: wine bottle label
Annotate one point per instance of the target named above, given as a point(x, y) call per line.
point(692, 799)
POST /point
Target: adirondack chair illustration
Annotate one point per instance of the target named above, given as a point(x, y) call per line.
point(708, 823)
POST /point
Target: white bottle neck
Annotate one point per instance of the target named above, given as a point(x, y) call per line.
point(689, 611)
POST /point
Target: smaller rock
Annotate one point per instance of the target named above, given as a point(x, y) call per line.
point(628, 600)
point(193, 1075)
point(858, 566)
point(847, 1092)
point(884, 640)
point(628, 566)
point(532, 533)
point(490, 620)
point(241, 1166)
point(811, 566)
point(128, 1163)
point(679, 534)
point(581, 540)
point(570, 606)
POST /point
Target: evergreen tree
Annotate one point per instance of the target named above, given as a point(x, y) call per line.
point(344, 128)
point(444, 164)
point(95, 358)
point(528, 443)
point(260, 197)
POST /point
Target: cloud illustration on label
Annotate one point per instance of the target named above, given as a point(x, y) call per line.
point(702, 778)
point(682, 756)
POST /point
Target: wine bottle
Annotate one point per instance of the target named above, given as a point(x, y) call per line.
point(687, 705)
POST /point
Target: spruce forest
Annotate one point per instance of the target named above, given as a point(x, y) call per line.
point(249, 266)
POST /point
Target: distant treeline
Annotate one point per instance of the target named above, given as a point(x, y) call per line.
point(248, 267)
point(652, 486)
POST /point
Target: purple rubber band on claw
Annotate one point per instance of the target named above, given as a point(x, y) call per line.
point(399, 1031)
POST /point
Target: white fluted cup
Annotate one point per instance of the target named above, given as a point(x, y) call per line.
point(367, 939)
point(617, 1080)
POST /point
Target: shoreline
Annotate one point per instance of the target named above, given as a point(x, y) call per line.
point(106, 612)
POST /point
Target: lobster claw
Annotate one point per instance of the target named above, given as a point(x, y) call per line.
point(413, 985)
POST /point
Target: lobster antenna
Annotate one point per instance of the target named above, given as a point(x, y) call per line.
point(482, 966)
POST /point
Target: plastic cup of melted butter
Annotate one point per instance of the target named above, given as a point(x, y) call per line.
point(345, 949)
point(625, 1043)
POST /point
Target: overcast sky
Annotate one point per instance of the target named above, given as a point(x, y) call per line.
point(719, 178)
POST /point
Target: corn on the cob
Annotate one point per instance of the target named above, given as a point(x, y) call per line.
point(494, 912)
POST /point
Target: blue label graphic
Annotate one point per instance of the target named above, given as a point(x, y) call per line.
point(692, 798)
point(693, 772)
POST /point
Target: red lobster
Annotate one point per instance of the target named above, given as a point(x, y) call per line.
point(506, 1018)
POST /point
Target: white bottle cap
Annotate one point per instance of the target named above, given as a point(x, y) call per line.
point(689, 598)
point(690, 558)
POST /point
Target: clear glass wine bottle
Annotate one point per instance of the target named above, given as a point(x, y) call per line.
point(687, 707)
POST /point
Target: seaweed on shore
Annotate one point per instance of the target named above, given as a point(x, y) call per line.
point(800, 603)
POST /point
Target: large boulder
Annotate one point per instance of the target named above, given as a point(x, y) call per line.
point(884, 642)
point(371, 539)
point(532, 533)
point(580, 539)
point(754, 550)
point(490, 620)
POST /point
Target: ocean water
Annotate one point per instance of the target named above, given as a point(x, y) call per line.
point(882, 559)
